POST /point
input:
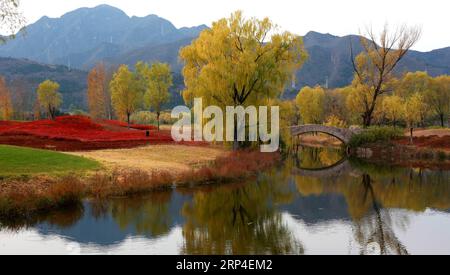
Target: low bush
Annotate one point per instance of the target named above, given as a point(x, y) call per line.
point(375, 134)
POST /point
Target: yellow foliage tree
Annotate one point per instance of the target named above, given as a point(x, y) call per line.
point(157, 93)
point(240, 62)
point(97, 92)
point(6, 108)
point(392, 108)
point(125, 96)
point(411, 83)
point(413, 109)
point(438, 97)
point(374, 67)
point(335, 121)
point(311, 103)
point(358, 98)
point(49, 98)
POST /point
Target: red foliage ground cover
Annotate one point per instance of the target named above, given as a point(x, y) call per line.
point(75, 133)
point(434, 142)
point(125, 125)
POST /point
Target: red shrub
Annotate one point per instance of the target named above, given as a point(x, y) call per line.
point(78, 128)
point(132, 126)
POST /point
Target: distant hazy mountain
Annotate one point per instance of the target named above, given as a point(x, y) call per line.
point(81, 38)
point(84, 36)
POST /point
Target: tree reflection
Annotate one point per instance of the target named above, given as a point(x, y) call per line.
point(240, 220)
point(376, 229)
point(62, 218)
point(372, 194)
point(147, 215)
point(317, 157)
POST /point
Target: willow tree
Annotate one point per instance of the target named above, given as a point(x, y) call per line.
point(374, 67)
point(157, 93)
point(11, 18)
point(125, 97)
point(438, 97)
point(392, 107)
point(414, 108)
point(311, 103)
point(6, 108)
point(411, 83)
point(240, 62)
point(49, 97)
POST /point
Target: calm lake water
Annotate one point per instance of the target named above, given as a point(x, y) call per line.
point(314, 203)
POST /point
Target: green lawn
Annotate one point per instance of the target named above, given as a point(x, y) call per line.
point(16, 161)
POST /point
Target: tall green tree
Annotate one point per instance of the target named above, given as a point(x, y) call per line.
point(49, 97)
point(125, 97)
point(157, 93)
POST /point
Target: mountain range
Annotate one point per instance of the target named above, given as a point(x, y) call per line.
point(81, 38)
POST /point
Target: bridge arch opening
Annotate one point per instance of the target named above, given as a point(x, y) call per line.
point(343, 135)
point(325, 133)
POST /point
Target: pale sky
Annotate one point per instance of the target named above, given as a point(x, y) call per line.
point(297, 16)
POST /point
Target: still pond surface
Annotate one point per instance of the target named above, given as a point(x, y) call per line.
point(314, 203)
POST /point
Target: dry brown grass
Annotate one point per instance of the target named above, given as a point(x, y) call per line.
point(20, 198)
point(430, 132)
point(157, 158)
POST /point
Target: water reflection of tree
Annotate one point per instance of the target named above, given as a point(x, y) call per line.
point(148, 215)
point(377, 228)
point(371, 196)
point(62, 218)
point(317, 157)
point(240, 220)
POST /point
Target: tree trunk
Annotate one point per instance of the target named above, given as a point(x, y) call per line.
point(441, 116)
point(411, 137)
point(51, 112)
point(367, 119)
point(128, 120)
point(158, 114)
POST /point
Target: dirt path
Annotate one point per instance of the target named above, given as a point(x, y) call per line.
point(431, 132)
point(170, 158)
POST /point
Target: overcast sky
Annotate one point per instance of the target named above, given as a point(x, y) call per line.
point(298, 16)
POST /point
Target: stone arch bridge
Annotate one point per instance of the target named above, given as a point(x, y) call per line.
point(342, 134)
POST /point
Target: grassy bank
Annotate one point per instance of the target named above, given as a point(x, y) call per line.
point(22, 198)
point(17, 161)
